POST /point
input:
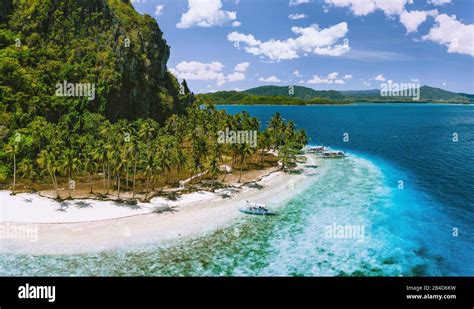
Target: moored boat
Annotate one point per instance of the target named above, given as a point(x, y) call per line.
point(256, 209)
point(316, 149)
point(331, 154)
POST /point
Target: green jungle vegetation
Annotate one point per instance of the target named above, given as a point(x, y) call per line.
point(142, 130)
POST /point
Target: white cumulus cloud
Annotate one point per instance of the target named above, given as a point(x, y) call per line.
point(194, 70)
point(448, 31)
point(298, 2)
point(413, 19)
point(297, 16)
point(439, 2)
point(331, 78)
point(379, 78)
point(297, 73)
point(242, 67)
point(308, 40)
point(205, 13)
point(270, 79)
point(159, 9)
point(236, 76)
point(365, 7)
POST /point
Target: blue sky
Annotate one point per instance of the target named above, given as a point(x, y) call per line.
point(322, 44)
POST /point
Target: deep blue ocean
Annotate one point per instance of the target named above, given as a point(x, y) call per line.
point(429, 147)
point(423, 228)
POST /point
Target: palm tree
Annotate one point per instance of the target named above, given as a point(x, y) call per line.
point(244, 151)
point(47, 161)
point(101, 155)
point(301, 139)
point(90, 166)
point(70, 163)
point(287, 155)
point(264, 143)
point(165, 154)
point(176, 126)
point(149, 170)
point(134, 151)
point(126, 160)
point(289, 131)
point(180, 159)
point(118, 167)
point(13, 148)
point(198, 153)
point(216, 154)
point(26, 170)
point(147, 132)
point(121, 134)
point(275, 128)
point(87, 159)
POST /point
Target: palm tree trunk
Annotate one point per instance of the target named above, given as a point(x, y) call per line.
point(153, 183)
point(241, 167)
point(134, 177)
point(55, 183)
point(14, 173)
point(146, 189)
point(118, 185)
point(108, 178)
point(103, 173)
point(69, 182)
point(56, 187)
point(225, 169)
point(90, 182)
point(225, 173)
point(126, 178)
point(52, 180)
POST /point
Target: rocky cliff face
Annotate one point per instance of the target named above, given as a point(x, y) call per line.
point(101, 42)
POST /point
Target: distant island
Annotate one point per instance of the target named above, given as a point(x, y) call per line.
point(281, 95)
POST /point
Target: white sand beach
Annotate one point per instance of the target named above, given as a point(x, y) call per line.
point(33, 208)
point(90, 225)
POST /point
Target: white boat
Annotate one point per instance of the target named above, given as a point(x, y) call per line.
point(317, 149)
point(256, 209)
point(331, 154)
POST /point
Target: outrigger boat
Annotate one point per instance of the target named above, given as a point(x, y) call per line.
point(316, 149)
point(330, 154)
point(325, 152)
point(257, 209)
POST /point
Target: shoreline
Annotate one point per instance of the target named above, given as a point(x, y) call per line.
point(355, 104)
point(194, 217)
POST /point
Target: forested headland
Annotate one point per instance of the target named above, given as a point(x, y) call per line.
point(140, 132)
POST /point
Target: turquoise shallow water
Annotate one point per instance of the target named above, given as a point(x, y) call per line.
point(406, 231)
